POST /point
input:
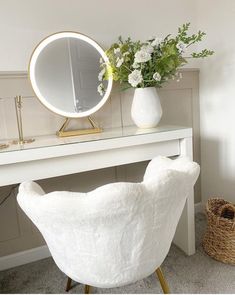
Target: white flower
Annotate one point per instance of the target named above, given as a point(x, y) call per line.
point(135, 78)
point(101, 74)
point(119, 62)
point(101, 89)
point(157, 76)
point(156, 41)
point(142, 56)
point(126, 53)
point(117, 51)
point(181, 46)
point(101, 60)
point(135, 65)
point(147, 48)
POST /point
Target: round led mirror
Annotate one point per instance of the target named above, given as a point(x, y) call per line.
point(64, 72)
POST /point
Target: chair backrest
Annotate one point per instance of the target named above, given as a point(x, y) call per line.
point(118, 233)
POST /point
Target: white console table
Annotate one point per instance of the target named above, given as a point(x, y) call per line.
point(50, 156)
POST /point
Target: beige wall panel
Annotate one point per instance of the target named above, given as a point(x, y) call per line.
point(9, 226)
point(179, 112)
point(37, 120)
point(135, 171)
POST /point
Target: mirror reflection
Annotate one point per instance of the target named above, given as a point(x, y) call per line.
point(66, 76)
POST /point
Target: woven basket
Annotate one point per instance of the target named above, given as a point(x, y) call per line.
point(219, 239)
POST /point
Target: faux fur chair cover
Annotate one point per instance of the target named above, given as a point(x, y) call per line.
point(118, 233)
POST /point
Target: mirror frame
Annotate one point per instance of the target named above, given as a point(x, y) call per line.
point(31, 72)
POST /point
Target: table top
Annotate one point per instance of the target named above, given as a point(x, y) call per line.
point(111, 133)
point(52, 146)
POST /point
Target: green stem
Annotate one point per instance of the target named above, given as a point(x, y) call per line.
point(191, 43)
point(141, 68)
point(127, 68)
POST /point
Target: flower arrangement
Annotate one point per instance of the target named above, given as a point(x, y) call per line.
point(150, 63)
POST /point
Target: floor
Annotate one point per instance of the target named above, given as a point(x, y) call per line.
point(196, 274)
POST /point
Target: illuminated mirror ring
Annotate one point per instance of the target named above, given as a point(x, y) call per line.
point(64, 70)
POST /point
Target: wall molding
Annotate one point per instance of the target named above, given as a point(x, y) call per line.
point(24, 257)
point(24, 74)
point(13, 74)
point(199, 208)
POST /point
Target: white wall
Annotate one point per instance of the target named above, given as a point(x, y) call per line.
point(217, 99)
point(24, 23)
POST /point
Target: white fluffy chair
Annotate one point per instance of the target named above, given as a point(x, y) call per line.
point(116, 234)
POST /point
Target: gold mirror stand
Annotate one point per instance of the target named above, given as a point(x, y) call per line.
point(66, 133)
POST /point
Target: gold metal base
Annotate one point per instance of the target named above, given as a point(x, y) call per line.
point(159, 273)
point(3, 146)
point(66, 133)
point(87, 289)
point(163, 282)
point(68, 285)
point(30, 140)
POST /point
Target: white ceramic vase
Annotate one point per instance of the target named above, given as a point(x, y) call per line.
point(146, 110)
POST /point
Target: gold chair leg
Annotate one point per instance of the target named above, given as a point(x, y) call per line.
point(163, 282)
point(68, 286)
point(87, 289)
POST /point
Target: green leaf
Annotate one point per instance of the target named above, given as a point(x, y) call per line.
point(165, 59)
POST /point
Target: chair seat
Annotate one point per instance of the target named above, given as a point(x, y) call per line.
point(116, 234)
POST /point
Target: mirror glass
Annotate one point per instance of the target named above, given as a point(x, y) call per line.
point(64, 72)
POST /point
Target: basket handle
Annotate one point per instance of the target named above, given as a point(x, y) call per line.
point(231, 207)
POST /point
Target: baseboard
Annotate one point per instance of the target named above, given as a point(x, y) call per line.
point(199, 208)
point(42, 252)
point(24, 257)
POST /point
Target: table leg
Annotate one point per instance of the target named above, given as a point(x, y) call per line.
point(185, 232)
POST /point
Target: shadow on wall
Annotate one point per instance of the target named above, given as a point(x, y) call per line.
point(217, 119)
point(216, 179)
